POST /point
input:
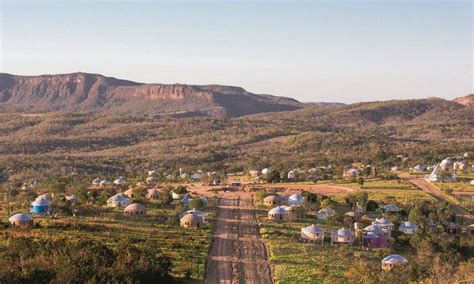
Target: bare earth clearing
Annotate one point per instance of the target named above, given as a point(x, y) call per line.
point(238, 254)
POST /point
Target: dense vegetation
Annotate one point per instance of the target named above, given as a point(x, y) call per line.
point(425, 131)
point(85, 241)
point(26, 259)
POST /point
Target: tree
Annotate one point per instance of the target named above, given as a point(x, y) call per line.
point(273, 177)
point(371, 206)
point(310, 197)
point(165, 196)
point(197, 203)
point(362, 272)
point(416, 214)
point(356, 198)
point(360, 181)
point(57, 185)
point(181, 189)
point(328, 202)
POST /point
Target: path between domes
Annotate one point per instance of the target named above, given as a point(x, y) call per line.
point(238, 253)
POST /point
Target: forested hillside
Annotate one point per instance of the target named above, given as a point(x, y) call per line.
point(63, 144)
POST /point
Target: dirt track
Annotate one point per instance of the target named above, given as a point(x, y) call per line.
point(436, 193)
point(238, 254)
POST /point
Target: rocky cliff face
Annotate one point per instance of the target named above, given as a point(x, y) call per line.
point(467, 100)
point(82, 92)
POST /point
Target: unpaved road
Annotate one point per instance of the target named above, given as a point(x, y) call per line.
point(238, 254)
point(436, 193)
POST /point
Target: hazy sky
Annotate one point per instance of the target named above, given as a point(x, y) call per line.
point(343, 51)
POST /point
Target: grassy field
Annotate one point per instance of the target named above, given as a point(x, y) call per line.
point(297, 262)
point(399, 197)
point(455, 186)
point(187, 248)
point(381, 184)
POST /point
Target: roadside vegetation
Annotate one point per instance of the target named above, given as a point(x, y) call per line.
point(101, 244)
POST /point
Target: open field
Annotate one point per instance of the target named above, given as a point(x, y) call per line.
point(186, 248)
point(380, 184)
point(297, 262)
point(455, 186)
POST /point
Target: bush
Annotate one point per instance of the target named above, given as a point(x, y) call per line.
point(371, 206)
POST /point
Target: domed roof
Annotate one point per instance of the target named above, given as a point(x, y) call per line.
point(71, 197)
point(286, 207)
point(194, 211)
point(278, 211)
point(46, 196)
point(314, 229)
point(266, 171)
point(186, 199)
point(344, 232)
point(40, 202)
point(394, 258)
point(383, 222)
point(150, 179)
point(296, 197)
point(326, 210)
point(191, 218)
point(118, 198)
point(272, 198)
point(391, 208)
point(20, 217)
point(373, 229)
point(120, 181)
point(350, 214)
point(446, 161)
point(371, 236)
point(408, 225)
point(135, 207)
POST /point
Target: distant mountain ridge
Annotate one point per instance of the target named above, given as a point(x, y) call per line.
point(82, 92)
point(467, 100)
point(86, 92)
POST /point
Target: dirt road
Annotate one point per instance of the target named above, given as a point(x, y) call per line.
point(437, 194)
point(238, 254)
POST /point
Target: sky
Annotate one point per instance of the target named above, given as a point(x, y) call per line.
point(344, 51)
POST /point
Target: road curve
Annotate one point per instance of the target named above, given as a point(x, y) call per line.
point(238, 254)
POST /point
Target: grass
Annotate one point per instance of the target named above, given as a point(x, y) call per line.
point(381, 184)
point(296, 262)
point(187, 248)
point(399, 197)
point(454, 186)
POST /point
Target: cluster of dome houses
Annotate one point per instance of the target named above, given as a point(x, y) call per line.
point(42, 205)
point(191, 218)
point(373, 236)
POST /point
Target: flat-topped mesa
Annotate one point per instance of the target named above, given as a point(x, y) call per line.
point(83, 92)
